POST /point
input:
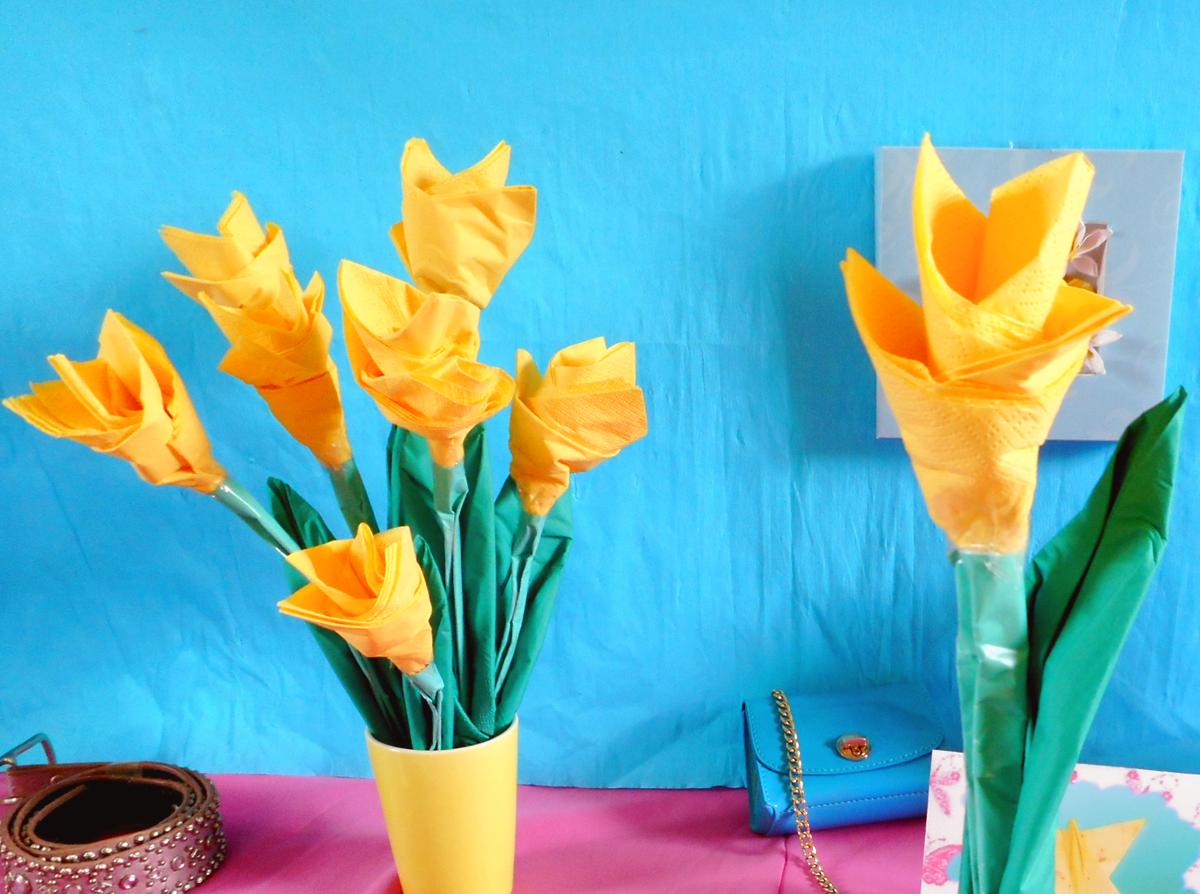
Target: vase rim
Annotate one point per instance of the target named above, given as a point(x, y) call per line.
point(511, 731)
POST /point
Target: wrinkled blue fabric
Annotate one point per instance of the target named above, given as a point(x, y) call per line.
point(702, 168)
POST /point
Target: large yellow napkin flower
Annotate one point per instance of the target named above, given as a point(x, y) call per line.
point(977, 372)
point(1086, 859)
point(462, 232)
point(371, 591)
point(414, 353)
point(583, 411)
point(128, 402)
point(279, 337)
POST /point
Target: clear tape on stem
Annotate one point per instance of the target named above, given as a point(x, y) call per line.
point(234, 496)
point(992, 657)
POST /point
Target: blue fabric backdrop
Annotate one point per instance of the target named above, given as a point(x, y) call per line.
point(702, 168)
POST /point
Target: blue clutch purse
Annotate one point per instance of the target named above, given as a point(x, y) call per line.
point(863, 756)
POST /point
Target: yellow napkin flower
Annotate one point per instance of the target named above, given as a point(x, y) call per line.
point(370, 591)
point(462, 232)
point(279, 337)
point(583, 411)
point(129, 402)
point(414, 353)
point(978, 371)
point(1085, 860)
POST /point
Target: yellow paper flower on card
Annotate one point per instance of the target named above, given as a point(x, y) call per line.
point(585, 410)
point(977, 372)
point(371, 591)
point(462, 232)
point(129, 402)
point(279, 337)
point(414, 353)
point(1084, 860)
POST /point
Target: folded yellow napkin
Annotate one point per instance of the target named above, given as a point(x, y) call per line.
point(371, 591)
point(462, 232)
point(414, 353)
point(977, 372)
point(583, 411)
point(279, 337)
point(129, 402)
point(1085, 860)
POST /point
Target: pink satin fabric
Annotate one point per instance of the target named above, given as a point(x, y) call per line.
point(289, 834)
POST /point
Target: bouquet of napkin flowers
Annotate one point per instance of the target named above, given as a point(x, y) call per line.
point(433, 621)
point(975, 375)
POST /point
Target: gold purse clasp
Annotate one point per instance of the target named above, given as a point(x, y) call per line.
point(854, 746)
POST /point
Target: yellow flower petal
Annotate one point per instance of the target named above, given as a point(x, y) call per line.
point(279, 338)
point(462, 232)
point(414, 353)
point(586, 409)
point(977, 372)
point(128, 402)
point(371, 591)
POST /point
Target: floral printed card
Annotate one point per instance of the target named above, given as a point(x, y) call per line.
point(1163, 856)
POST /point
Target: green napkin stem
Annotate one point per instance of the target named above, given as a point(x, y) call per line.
point(352, 497)
point(992, 651)
point(449, 491)
point(524, 548)
point(234, 496)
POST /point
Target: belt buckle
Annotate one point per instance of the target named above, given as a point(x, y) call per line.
point(9, 758)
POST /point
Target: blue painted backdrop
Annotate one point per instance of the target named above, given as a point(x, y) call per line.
point(702, 168)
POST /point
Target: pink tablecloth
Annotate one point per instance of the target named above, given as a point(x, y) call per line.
point(294, 834)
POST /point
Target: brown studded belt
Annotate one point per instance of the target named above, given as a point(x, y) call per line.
point(145, 828)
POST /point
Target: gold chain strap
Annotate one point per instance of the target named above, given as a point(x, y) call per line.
point(799, 803)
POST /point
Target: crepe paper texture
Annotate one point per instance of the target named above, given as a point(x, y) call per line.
point(1117, 831)
point(1135, 196)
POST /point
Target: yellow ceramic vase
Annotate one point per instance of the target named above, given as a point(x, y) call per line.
point(451, 815)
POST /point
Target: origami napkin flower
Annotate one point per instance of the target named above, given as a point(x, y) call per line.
point(279, 338)
point(128, 402)
point(977, 372)
point(462, 232)
point(1086, 859)
point(584, 411)
point(371, 591)
point(414, 353)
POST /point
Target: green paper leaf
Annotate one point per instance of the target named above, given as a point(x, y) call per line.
point(410, 490)
point(547, 567)
point(477, 526)
point(1087, 586)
